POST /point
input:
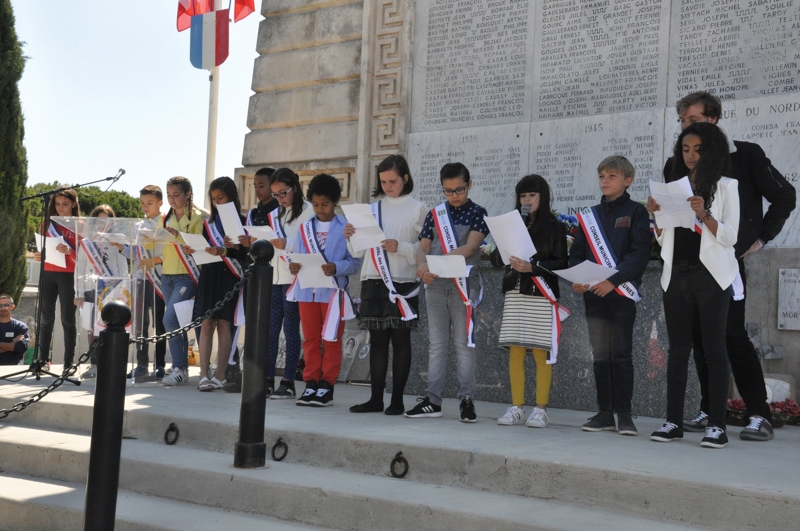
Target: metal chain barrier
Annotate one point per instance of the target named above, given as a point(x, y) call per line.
point(228, 296)
point(70, 371)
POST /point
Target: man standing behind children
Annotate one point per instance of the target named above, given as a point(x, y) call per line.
point(451, 302)
point(621, 239)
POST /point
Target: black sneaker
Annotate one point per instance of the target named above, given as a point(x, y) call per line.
point(323, 397)
point(697, 424)
point(667, 432)
point(759, 429)
point(468, 410)
point(625, 425)
point(284, 391)
point(424, 409)
point(715, 438)
point(603, 421)
point(308, 394)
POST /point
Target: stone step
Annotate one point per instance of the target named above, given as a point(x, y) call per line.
point(33, 504)
point(314, 496)
point(746, 484)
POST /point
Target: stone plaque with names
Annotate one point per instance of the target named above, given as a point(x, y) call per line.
point(473, 63)
point(789, 299)
point(597, 57)
point(496, 157)
point(735, 49)
point(567, 153)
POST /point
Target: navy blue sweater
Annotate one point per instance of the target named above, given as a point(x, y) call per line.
point(627, 227)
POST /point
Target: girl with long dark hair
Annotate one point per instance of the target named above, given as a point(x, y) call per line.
point(530, 310)
point(699, 269)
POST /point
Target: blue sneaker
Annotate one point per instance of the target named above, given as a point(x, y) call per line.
point(139, 374)
point(159, 373)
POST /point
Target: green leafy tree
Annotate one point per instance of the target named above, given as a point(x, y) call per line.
point(13, 159)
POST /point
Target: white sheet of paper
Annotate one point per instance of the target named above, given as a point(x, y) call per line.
point(672, 197)
point(262, 232)
point(230, 220)
point(86, 315)
point(199, 244)
point(183, 311)
point(311, 275)
point(511, 236)
point(114, 237)
point(448, 266)
point(586, 273)
point(52, 255)
point(368, 232)
point(156, 236)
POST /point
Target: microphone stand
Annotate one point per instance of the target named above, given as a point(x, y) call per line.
point(39, 366)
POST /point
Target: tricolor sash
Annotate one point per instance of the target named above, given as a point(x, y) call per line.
point(560, 313)
point(188, 263)
point(380, 259)
point(153, 274)
point(447, 236)
point(738, 284)
point(603, 253)
point(96, 258)
point(340, 305)
point(275, 222)
point(216, 234)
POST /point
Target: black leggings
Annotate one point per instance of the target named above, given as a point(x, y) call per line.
point(58, 286)
point(379, 362)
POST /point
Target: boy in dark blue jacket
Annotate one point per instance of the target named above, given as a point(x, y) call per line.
point(616, 234)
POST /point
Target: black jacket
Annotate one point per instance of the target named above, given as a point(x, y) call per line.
point(542, 265)
point(757, 179)
point(627, 227)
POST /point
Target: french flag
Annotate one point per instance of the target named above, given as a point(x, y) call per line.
point(209, 39)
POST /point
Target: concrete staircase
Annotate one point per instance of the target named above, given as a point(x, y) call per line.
point(336, 473)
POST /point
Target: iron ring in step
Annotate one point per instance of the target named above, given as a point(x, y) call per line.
point(279, 444)
point(172, 434)
point(398, 458)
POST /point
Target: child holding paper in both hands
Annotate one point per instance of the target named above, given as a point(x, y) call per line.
point(216, 280)
point(390, 315)
point(323, 310)
point(530, 310)
point(699, 267)
point(456, 227)
point(620, 239)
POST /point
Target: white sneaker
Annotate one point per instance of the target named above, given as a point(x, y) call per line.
point(512, 417)
point(538, 419)
point(176, 377)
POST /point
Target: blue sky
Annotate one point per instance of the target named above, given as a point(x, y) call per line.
point(113, 88)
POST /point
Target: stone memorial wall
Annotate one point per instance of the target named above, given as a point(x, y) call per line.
point(511, 87)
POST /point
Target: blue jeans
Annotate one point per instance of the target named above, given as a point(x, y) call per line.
point(610, 320)
point(176, 288)
point(447, 318)
point(285, 314)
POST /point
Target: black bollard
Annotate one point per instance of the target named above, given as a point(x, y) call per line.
point(251, 450)
point(109, 406)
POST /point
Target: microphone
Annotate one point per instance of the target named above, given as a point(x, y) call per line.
point(120, 173)
point(525, 211)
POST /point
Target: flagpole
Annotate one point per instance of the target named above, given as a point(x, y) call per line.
point(211, 144)
point(213, 104)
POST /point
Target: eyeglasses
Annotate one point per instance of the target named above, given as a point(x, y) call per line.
point(281, 195)
point(6, 305)
point(458, 191)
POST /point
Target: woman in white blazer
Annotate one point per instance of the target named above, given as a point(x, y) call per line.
point(699, 268)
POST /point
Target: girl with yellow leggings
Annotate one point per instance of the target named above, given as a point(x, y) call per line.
point(530, 310)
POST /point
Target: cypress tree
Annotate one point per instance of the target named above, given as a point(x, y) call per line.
point(13, 160)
